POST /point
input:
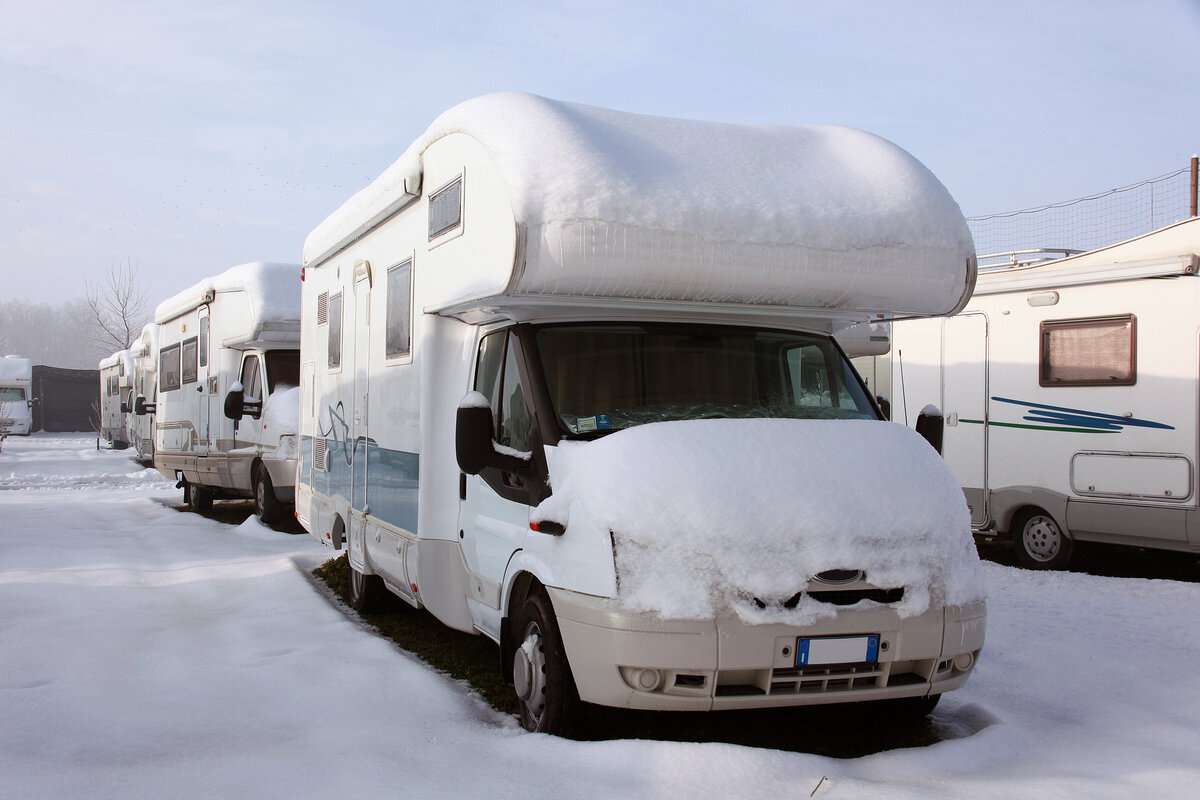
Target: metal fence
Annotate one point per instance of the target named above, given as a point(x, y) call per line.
point(1088, 223)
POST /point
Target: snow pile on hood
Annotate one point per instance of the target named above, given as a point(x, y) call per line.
point(707, 515)
point(281, 411)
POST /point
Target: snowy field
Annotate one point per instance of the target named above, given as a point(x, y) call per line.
point(146, 652)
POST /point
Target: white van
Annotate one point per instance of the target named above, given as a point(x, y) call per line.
point(568, 381)
point(16, 396)
point(1070, 390)
point(116, 372)
point(144, 384)
point(228, 372)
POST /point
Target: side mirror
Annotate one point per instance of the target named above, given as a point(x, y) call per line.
point(474, 439)
point(141, 407)
point(931, 426)
point(885, 405)
point(235, 404)
point(124, 407)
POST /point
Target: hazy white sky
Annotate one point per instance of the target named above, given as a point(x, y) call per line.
point(187, 137)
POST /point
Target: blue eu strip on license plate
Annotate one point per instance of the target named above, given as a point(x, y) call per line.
point(837, 650)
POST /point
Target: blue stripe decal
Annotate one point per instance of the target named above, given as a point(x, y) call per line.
point(1078, 418)
point(393, 478)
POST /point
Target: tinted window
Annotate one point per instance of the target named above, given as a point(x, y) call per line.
point(335, 332)
point(399, 302)
point(188, 370)
point(169, 368)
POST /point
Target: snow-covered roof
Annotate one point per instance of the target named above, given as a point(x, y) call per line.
point(16, 368)
point(273, 290)
point(632, 206)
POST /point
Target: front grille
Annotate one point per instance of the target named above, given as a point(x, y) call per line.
point(848, 597)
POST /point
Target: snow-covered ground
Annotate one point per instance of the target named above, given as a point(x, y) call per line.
point(146, 652)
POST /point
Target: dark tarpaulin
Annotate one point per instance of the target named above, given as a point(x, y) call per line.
point(67, 399)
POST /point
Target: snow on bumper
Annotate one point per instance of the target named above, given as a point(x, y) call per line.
point(640, 661)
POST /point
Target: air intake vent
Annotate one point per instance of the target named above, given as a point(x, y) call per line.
point(319, 455)
point(323, 308)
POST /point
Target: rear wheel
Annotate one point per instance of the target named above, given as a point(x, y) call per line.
point(546, 693)
point(266, 504)
point(365, 592)
point(1040, 541)
point(198, 498)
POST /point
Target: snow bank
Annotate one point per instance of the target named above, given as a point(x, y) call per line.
point(707, 515)
point(273, 290)
point(16, 368)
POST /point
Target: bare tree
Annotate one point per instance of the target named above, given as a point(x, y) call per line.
point(119, 308)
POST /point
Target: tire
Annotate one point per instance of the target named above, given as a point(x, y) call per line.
point(198, 498)
point(1040, 542)
point(365, 593)
point(546, 694)
point(266, 504)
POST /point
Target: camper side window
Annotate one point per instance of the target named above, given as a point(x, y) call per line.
point(335, 331)
point(189, 371)
point(399, 304)
point(1089, 352)
point(168, 368)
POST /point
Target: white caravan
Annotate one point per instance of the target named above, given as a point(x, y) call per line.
point(145, 385)
point(568, 380)
point(228, 372)
point(16, 400)
point(1070, 390)
point(116, 372)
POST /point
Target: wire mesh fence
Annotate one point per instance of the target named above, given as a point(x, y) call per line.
point(1088, 223)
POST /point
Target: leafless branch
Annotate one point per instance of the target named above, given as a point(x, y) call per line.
point(118, 306)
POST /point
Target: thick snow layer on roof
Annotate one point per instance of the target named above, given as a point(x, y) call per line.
point(16, 368)
point(273, 290)
point(707, 515)
point(628, 205)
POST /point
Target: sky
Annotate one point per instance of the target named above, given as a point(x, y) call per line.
point(184, 138)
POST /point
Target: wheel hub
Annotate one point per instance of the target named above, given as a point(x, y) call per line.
point(529, 673)
point(1042, 538)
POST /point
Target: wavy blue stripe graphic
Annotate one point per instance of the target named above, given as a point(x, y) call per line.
point(1079, 418)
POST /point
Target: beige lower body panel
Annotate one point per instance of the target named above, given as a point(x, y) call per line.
point(631, 660)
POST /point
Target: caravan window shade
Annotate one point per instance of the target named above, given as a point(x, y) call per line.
point(189, 371)
point(335, 332)
point(1089, 352)
point(168, 368)
point(399, 303)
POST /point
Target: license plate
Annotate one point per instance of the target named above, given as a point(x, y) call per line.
point(837, 650)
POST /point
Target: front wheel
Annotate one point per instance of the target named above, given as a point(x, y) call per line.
point(1040, 541)
point(364, 592)
point(198, 498)
point(546, 694)
point(266, 504)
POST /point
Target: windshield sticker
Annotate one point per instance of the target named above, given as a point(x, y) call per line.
point(597, 423)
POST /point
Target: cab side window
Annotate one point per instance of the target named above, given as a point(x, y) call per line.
point(498, 378)
point(251, 380)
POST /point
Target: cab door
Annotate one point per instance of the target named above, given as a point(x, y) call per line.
point(494, 508)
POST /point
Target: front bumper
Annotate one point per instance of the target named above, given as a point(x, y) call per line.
point(629, 660)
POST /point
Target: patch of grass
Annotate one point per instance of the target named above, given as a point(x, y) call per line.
point(467, 657)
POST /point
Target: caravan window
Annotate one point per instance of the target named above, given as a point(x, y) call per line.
point(1089, 352)
point(204, 341)
point(335, 331)
point(168, 368)
point(11, 394)
point(607, 377)
point(189, 371)
point(399, 314)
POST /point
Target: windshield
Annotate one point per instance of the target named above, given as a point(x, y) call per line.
point(283, 369)
point(11, 393)
point(603, 377)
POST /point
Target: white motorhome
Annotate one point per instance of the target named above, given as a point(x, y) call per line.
point(228, 367)
point(1070, 391)
point(116, 372)
point(16, 396)
point(145, 385)
point(568, 381)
